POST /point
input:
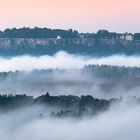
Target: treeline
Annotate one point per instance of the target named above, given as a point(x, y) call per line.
point(99, 71)
point(65, 105)
point(38, 33)
point(53, 33)
point(111, 72)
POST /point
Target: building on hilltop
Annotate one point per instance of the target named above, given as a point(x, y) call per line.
point(59, 37)
point(127, 36)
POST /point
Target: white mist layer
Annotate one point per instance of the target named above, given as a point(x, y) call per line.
point(120, 123)
point(64, 61)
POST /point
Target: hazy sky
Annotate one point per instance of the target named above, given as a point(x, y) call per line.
point(83, 15)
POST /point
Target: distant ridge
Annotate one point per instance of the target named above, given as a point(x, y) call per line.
point(44, 41)
point(37, 32)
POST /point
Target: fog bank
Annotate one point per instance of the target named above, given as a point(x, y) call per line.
point(63, 60)
point(23, 124)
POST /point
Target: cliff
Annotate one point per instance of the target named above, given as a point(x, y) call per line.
point(11, 46)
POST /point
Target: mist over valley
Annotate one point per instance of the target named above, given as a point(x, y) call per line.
point(61, 88)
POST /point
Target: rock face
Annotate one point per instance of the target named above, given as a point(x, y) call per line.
point(33, 42)
point(16, 46)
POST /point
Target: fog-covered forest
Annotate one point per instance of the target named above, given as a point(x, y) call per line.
point(61, 84)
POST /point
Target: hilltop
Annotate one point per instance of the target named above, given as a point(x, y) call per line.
point(44, 41)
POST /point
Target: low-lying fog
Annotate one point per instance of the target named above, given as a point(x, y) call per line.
point(121, 122)
point(63, 60)
point(69, 81)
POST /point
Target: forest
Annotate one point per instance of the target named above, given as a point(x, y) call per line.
point(60, 106)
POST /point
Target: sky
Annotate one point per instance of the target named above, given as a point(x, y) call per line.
point(81, 15)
